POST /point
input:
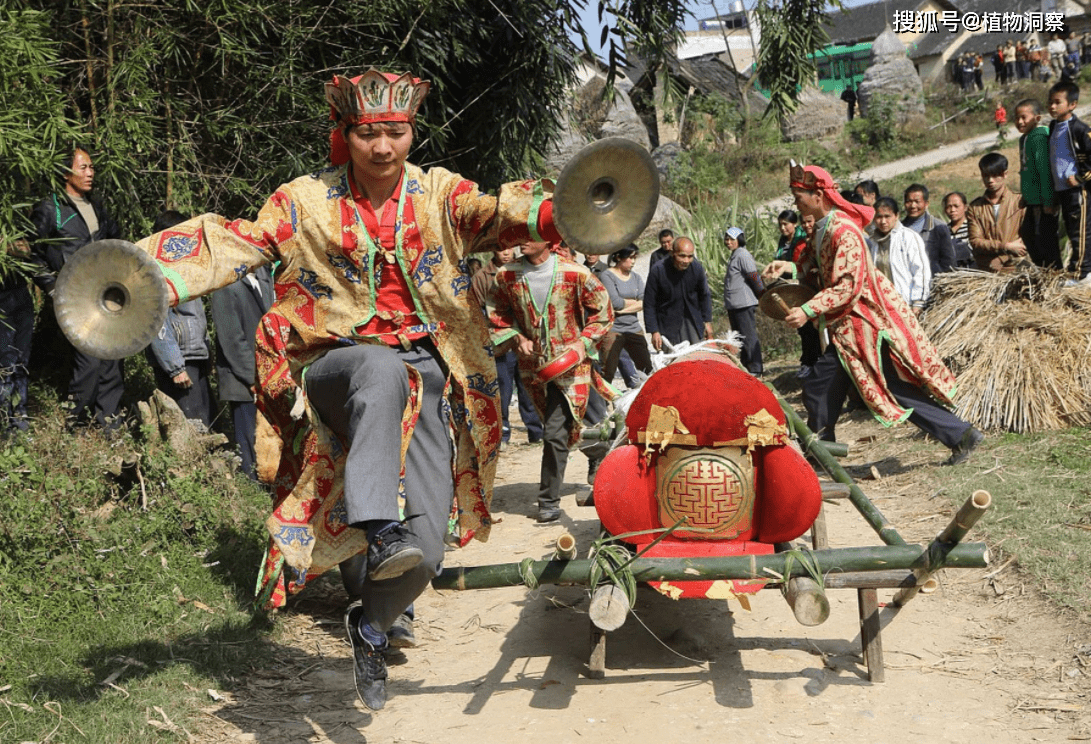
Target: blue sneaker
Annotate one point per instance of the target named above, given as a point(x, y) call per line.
point(369, 664)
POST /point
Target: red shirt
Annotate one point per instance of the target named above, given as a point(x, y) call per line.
point(394, 308)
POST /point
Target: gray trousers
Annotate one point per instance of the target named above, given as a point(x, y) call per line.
point(360, 392)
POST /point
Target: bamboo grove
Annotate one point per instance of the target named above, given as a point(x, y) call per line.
point(208, 106)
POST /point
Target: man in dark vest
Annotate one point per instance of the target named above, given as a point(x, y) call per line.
point(64, 223)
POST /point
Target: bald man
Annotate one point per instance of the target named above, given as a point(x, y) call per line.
point(677, 302)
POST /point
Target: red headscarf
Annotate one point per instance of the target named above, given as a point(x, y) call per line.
point(813, 178)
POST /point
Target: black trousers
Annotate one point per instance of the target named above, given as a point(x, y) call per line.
point(745, 322)
point(825, 390)
point(1074, 212)
point(557, 421)
point(196, 400)
point(634, 343)
point(810, 345)
point(244, 418)
point(507, 372)
point(1039, 234)
point(95, 390)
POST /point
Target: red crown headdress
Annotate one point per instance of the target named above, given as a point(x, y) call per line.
point(375, 96)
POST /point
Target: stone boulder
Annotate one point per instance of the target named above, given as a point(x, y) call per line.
point(565, 144)
point(591, 118)
point(891, 75)
point(622, 120)
point(818, 114)
point(665, 156)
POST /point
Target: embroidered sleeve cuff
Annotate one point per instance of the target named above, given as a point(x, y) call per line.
point(499, 337)
point(542, 220)
point(806, 308)
point(591, 347)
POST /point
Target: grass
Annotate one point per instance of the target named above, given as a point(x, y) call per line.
point(1041, 511)
point(108, 612)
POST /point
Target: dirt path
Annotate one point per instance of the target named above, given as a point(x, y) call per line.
point(965, 664)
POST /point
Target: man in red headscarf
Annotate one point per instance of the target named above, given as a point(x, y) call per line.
point(373, 346)
point(876, 341)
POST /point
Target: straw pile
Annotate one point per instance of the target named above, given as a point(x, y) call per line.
point(1020, 345)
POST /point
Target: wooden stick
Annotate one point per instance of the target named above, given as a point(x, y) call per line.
point(596, 665)
point(609, 607)
point(871, 638)
point(784, 307)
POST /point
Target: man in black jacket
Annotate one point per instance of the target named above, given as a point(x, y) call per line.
point(677, 301)
point(64, 223)
point(936, 235)
point(236, 310)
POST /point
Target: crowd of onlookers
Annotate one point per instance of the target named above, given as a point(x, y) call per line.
point(909, 243)
point(1062, 58)
point(182, 357)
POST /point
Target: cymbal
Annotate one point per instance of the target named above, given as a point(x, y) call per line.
point(606, 195)
point(792, 294)
point(110, 299)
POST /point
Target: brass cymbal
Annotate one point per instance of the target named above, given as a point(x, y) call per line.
point(792, 294)
point(110, 299)
point(606, 195)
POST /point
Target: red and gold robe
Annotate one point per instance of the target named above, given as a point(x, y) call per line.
point(578, 309)
point(325, 294)
point(861, 309)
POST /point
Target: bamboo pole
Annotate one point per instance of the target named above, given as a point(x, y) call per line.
point(952, 535)
point(859, 499)
point(876, 580)
point(565, 547)
point(872, 558)
point(85, 24)
point(808, 601)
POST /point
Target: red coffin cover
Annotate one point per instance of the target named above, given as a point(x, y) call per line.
point(786, 501)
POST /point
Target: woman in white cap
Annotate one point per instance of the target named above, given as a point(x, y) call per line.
point(742, 286)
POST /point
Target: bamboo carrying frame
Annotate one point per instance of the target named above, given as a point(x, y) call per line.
point(895, 565)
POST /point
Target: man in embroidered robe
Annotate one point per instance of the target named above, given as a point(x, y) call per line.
point(876, 342)
point(372, 335)
point(549, 305)
point(507, 362)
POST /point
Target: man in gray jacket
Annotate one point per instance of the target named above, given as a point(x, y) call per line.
point(180, 356)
